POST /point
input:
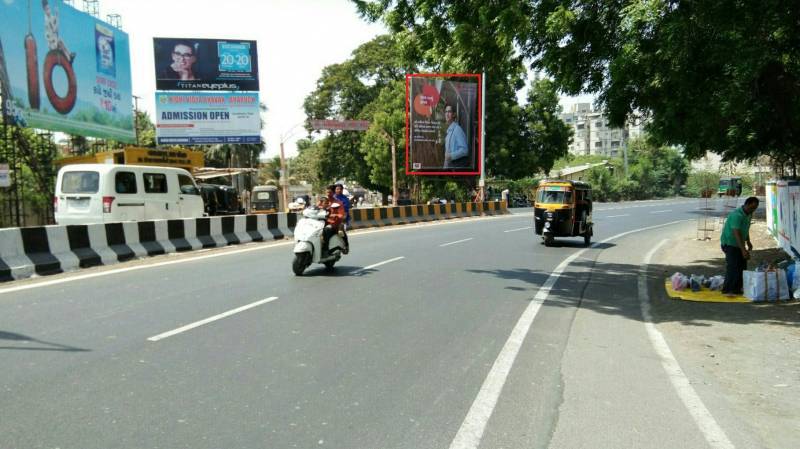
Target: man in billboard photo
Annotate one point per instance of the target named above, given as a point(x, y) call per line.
point(54, 41)
point(456, 151)
point(181, 66)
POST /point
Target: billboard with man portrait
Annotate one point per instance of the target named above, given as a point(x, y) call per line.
point(64, 70)
point(206, 64)
point(443, 124)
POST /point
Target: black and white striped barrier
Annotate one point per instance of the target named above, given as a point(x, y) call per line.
point(54, 249)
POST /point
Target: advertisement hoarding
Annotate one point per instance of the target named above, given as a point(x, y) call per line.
point(205, 64)
point(207, 118)
point(443, 124)
point(64, 70)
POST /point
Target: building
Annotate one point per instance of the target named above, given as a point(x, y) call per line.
point(593, 135)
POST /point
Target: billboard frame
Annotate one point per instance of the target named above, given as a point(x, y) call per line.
point(479, 133)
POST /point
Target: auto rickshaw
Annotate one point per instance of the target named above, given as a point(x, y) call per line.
point(264, 200)
point(563, 209)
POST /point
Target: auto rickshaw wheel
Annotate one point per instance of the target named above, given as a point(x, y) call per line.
point(548, 240)
point(587, 238)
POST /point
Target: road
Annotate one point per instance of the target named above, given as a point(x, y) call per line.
point(455, 334)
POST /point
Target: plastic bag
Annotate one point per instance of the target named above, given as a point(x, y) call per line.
point(766, 285)
point(679, 281)
point(716, 282)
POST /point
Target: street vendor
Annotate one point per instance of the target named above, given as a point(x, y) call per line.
point(736, 245)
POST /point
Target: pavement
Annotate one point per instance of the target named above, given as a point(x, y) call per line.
point(745, 356)
point(462, 334)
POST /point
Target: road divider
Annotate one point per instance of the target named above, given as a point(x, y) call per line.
point(48, 250)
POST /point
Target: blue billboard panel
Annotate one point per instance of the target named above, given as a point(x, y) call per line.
point(199, 118)
point(64, 70)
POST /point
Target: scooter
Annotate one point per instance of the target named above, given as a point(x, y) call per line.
point(308, 242)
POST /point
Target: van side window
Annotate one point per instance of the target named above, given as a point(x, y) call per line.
point(125, 182)
point(187, 185)
point(155, 183)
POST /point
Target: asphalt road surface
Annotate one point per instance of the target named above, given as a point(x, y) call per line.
point(462, 334)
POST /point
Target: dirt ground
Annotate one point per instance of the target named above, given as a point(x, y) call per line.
point(745, 356)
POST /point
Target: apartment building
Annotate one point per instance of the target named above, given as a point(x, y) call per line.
point(593, 135)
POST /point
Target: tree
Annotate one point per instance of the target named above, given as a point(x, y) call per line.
point(387, 131)
point(344, 91)
point(145, 129)
point(477, 36)
point(718, 75)
point(548, 135)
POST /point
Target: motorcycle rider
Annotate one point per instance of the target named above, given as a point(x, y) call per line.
point(332, 222)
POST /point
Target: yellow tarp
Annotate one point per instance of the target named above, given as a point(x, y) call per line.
point(704, 295)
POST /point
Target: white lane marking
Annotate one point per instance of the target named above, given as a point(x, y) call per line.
point(375, 265)
point(210, 319)
point(617, 216)
point(228, 251)
point(660, 211)
point(471, 431)
point(519, 229)
point(456, 242)
point(705, 421)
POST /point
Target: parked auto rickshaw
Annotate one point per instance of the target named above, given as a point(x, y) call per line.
point(563, 209)
point(264, 200)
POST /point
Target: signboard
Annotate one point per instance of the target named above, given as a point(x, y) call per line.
point(65, 70)
point(205, 64)
point(171, 158)
point(443, 124)
point(207, 118)
point(340, 125)
point(5, 176)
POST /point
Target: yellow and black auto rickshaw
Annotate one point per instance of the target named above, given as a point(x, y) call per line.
point(563, 209)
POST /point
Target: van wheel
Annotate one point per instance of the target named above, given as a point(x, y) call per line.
point(300, 263)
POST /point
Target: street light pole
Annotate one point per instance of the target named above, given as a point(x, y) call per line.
point(283, 181)
point(482, 183)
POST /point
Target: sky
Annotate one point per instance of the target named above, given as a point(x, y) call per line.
point(296, 40)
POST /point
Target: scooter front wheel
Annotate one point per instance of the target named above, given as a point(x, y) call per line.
point(300, 263)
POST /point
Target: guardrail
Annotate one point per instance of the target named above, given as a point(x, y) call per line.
point(48, 250)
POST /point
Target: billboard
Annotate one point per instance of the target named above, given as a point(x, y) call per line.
point(443, 124)
point(64, 70)
point(207, 118)
point(205, 64)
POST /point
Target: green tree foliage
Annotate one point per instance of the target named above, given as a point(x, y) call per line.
point(718, 75)
point(471, 36)
point(702, 184)
point(547, 134)
point(387, 126)
point(347, 90)
point(146, 130)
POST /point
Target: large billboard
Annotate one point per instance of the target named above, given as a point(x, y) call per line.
point(207, 118)
point(64, 70)
point(443, 124)
point(205, 64)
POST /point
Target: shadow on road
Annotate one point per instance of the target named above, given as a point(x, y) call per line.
point(611, 288)
point(43, 345)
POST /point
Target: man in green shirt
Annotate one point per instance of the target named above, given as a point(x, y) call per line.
point(735, 240)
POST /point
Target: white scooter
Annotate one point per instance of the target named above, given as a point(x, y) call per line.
point(308, 242)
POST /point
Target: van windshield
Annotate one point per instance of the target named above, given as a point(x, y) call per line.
point(554, 195)
point(80, 182)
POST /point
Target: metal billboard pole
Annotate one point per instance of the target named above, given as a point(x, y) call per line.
point(482, 182)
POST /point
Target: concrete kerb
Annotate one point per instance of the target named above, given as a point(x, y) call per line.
point(25, 252)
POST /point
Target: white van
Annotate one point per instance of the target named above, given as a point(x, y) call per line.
point(105, 193)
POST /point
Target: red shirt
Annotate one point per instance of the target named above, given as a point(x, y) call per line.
point(335, 214)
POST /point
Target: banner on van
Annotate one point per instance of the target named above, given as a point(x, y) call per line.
point(207, 118)
point(64, 70)
point(442, 124)
point(205, 64)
